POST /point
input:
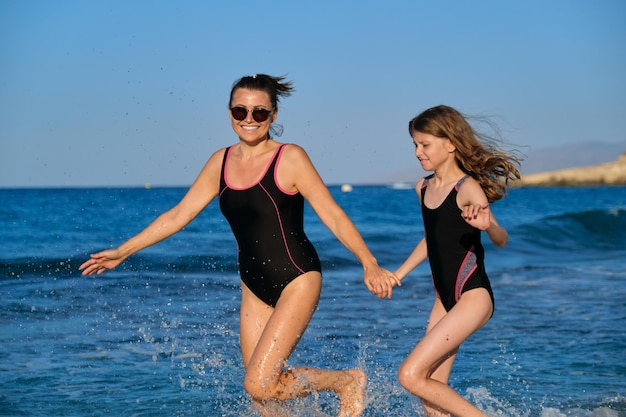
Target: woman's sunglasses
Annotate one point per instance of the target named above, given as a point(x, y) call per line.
point(259, 115)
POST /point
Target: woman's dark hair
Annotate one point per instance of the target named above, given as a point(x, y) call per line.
point(275, 87)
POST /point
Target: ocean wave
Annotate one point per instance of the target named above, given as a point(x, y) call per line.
point(68, 267)
point(589, 230)
point(148, 265)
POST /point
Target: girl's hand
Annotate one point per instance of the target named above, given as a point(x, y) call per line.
point(477, 215)
point(482, 218)
point(101, 261)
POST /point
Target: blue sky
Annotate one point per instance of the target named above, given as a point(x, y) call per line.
point(107, 93)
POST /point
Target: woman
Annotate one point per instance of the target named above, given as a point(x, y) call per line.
point(261, 186)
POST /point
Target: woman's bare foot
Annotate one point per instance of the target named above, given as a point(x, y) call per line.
point(352, 395)
point(270, 409)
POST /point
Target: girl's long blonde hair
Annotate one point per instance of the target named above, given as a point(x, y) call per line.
point(477, 155)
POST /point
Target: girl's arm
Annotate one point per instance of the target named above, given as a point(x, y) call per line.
point(477, 213)
point(419, 254)
point(297, 173)
point(199, 195)
point(498, 234)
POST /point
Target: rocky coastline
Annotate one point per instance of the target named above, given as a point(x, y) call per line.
point(609, 173)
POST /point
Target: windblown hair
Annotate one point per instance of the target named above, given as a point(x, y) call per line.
point(477, 155)
point(275, 87)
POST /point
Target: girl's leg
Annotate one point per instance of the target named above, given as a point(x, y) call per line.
point(426, 370)
point(269, 336)
point(442, 371)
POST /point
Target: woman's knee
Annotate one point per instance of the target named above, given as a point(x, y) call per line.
point(259, 389)
point(263, 387)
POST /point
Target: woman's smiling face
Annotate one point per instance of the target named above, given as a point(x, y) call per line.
point(248, 129)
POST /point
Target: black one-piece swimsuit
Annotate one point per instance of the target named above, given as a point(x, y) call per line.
point(268, 225)
point(455, 252)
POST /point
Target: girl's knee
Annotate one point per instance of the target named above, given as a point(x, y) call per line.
point(411, 379)
point(405, 376)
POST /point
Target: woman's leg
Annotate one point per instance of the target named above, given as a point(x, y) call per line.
point(269, 336)
point(426, 370)
point(254, 315)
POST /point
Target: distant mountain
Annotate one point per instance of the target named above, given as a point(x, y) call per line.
point(535, 160)
point(606, 173)
point(571, 156)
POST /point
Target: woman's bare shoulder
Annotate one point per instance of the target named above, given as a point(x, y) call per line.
point(295, 154)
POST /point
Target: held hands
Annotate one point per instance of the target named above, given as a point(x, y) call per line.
point(101, 261)
point(380, 281)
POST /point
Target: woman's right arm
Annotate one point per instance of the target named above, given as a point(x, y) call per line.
point(199, 195)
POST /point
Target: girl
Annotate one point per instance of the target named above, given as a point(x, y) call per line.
point(455, 209)
point(261, 186)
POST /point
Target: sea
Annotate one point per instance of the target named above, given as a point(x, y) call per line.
point(159, 335)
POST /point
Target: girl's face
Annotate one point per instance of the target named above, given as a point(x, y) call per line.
point(432, 151)
point(248, 129)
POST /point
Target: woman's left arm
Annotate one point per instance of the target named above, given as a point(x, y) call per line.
point(297, 173)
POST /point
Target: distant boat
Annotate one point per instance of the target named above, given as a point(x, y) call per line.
point(346, 188)
point(402, 186)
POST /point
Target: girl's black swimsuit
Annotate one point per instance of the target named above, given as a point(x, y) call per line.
point(455, 252)
point(268, 225)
